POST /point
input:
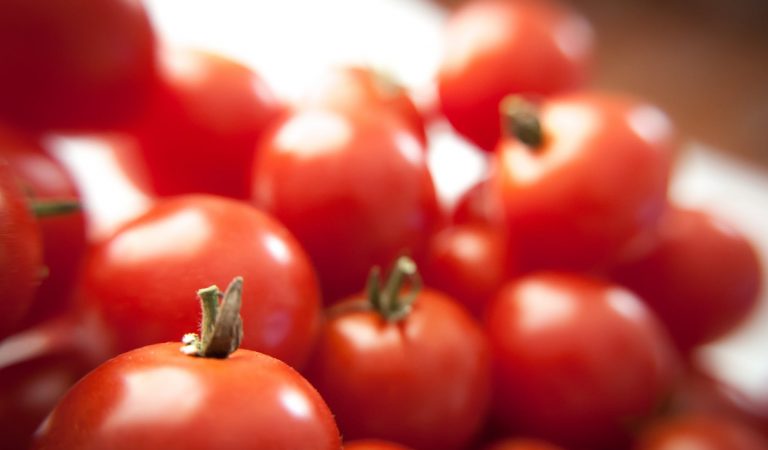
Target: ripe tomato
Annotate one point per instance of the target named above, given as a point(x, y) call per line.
point(700, 431)
point(63, 234)
point(354, 189)
point(357, 88)
point(199, 133)
point(522, 444)
point(21, 252)
point(596, 182)
point(84, 64)
point(702, 277)
point(578, 361)
point(413, 373)
point(469, 263)
point(373, 444)
point(494, 48)
point(156, 397)
point(139, 281)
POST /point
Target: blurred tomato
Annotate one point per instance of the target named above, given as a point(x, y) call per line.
point(700, 431)
point(373, 444)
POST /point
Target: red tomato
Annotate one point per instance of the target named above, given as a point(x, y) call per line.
point(414, 373)
point(373, 444)
point(354, 189)
point(478, 204)
point(356, 89)
point(702, 278)
point(141, 281)
point(199, 133)
point(522, 444)
point(64, 235)
point(470, 263)
point(700, 431)
point(21, 252)
point(74, 64)
point(156, 398)
point(596, 182)
point(578, 361)
point(494, 48)
point(37, 367)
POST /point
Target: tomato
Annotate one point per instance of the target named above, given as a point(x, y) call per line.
point(84, 64)
point(702, 277)
point(202, 124)
point(63, 232)
point(578, 361)
point(470, 263)
point(522, 444)
point(21, 252)
point(354, 189)
point(373, 444)
point(37, 367)
point(138, 281)
point(494, 48)
point(478, 204)
point(700, 431)
point(156, 397)
point(594, 185)
point(358, 88)
point(412, 368)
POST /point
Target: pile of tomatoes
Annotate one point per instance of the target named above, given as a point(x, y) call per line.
point(556, 305)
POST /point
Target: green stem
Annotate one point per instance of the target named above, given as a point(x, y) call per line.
point(48, 208)
point(221, 330)
point(390, 301)
point(520, 118)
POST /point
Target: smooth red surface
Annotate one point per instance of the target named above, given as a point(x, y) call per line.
point(578, 361)
point(354, 189)
point(202, 124)
point(700, 431)
point(79, 64)
point(522, 444)
point(497, 47)
point(702, 277)
point(157, 398)
point(373, 444)
point(594, 188)
point(142, 282)
point(423, 382)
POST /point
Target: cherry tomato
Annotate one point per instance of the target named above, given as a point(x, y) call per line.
point(21, 252)
point(373, 444)
point(357, 88)
point(469, 263)
point(37, 367)
point(138, 282)
point(63, 233)
point(84, 64)
point(494, 48)
point(578, 361)
point(354, 189)
point(702, 277)
point(203, 122)
point(700, 431)
point(412, 368)
point(594, 183)
point(156, 397)
point(522, 444)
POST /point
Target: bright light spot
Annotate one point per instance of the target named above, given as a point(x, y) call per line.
point(543, 306)
point(650, 124)
point(314, 132)
point(162, 238)
point(277, 248)
point(295, 403)
point(409, 147)
point(478, 28)
point(163, 394)
point(626, 304)
point(574, 37)
point(184, 65)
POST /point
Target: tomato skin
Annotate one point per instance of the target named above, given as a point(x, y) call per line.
point(21, 252)
point(700, 431)
point(155, 397)
point(355, 190)
point(494, 48)
point(423, 382)
point(202, 124)
point(63, 236)
point(74, 64)
point(596, 185)
point(522, 444)
point(702, 277)
point(577, 360)
point(373, 444)
point(141, 282)
point(357, 88)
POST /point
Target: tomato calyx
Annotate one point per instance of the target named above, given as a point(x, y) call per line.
point(520, 119)
point(222, 327)
point(51, 208)
point(388, 300)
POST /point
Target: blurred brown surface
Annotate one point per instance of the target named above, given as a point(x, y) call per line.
point(704, 61)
